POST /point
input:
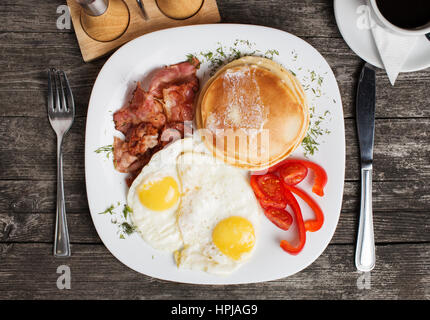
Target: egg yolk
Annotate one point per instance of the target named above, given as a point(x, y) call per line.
point(234, 236)
point(159, 195)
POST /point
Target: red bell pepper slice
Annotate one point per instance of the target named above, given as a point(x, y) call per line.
point(310, 225)
point(285, 245)
point(320, 174)
point(279, 217)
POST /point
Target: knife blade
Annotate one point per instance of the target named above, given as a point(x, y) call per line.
point(365, 117)
point(365, 111)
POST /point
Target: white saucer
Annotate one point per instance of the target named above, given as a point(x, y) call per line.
point(351, 20)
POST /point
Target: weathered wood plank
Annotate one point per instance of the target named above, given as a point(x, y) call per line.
point(20, 16)
point(27, 212)
point(300, 17)
point(402, 149)
point(48, 50)
point(397, 226)
point(31, 43)
point(23, 80)
point(402, 272)
point(408, 99)
point(37, 158)
point(60, 50)
point(40, 227)
point(32, 103)
point(32, 196)
point(28, 196)
point(303, 18)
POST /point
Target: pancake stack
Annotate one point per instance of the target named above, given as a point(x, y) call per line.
point(252, 113)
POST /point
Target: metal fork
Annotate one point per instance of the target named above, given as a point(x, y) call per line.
point(61, 112)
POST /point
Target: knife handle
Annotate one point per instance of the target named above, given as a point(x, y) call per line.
point(365, 250)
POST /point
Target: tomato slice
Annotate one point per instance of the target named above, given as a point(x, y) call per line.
point(279, 217)
point(320, 174)
point(269, 191)
point(293, 173)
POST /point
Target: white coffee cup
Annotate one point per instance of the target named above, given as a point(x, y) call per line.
point(383, 22)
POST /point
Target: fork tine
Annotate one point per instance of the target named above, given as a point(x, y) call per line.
point(69, 94)
point(57, 103)
point(50, 91)
point(62, 93)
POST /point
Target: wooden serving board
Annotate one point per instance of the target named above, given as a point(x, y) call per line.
point(92, 49)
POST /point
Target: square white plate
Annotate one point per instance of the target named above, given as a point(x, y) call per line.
point(138, 58)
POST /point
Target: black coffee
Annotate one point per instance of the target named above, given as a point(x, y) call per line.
point(407, 14)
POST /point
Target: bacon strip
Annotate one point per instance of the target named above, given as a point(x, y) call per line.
point(178, 101)
point(142, 108)
point(156, 117)
point(122, 158)
point(180, 73)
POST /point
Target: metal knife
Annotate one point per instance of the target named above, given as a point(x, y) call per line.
point(365, 111)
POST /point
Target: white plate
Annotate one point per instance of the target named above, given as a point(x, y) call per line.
point(105, 186)
point(351, 19)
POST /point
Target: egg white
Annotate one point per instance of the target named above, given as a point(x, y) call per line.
point(158, 228)
point(211, 192)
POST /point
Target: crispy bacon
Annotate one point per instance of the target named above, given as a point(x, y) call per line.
point(178, 101)
point(155, 117)
point(123, 159)
point(137, 166)
point(138, 140)
point(171, 132)
point(176, 74)
point(142, 108)
point(141, 138)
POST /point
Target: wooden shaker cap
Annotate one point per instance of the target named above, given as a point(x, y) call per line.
point(108, 26)
point(179, 9)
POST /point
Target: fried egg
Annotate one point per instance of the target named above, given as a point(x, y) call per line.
point(154, 198)
point(218, 215)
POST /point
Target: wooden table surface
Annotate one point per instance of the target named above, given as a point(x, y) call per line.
point(30, 43)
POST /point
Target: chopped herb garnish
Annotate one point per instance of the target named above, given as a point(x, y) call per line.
point(208, 55)
point(124, 227)
point(107, 149)
point(236, 53)
point(221, 52)
point(190, 58)
point(313, 75)
point(222, 55)
point(127, 228)
point(310, 145)
point(126, 211)
point(108, 210)
point(310, 142)
point(270, 53)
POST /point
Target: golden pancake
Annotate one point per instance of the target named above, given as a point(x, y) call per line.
point(252, 113)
